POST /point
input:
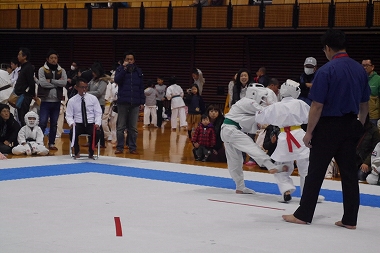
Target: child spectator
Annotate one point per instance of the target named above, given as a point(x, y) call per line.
point(175, 93)
point(30, 137)
point(160, 98)
point(196, 107)
point(150, 104)
point(204, 139)
point(9, 128)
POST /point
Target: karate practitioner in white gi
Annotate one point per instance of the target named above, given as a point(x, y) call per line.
point(373, 178)
point(288, 115)
point(238, 121)
point(30, 137)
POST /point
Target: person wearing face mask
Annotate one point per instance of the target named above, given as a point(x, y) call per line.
point(306, 78)
point(52, 79)
point(72, 76)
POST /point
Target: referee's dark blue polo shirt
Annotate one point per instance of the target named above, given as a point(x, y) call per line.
point(340, 85)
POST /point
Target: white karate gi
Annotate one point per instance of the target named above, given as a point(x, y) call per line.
point(30, 147)
point(373, 178)
point(236, 141)
point(288, 112)
point(175, 93)
point(109, 117)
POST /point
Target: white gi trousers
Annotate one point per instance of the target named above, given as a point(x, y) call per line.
point(150, 110)
point(236, 142)
point(179, 112)
point(283, 179)
point(30, 148)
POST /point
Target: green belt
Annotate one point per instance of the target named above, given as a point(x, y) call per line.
point(231, 122)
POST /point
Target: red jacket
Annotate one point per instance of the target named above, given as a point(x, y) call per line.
point(204, 135)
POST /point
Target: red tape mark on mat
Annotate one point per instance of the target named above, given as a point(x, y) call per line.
point(242, 204)
point(119, 232)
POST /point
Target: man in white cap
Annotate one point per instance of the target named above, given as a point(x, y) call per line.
point(306, 78)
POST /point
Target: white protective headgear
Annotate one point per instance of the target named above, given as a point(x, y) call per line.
point(31, 122)
point(290, 89)
point(257, 92)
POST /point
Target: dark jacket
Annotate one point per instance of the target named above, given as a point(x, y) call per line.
point(131, 85)
point(25, 80)
point(218, 127)
point(204, 135)
point(303, 79)
point(11, 132)
point(193, 102)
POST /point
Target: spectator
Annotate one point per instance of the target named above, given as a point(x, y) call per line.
point(130, 100)
point(150, 110)
point(261, 76)
point(97, 87)
point(366, 145)
point(374, 84)
point(72, 76)
point(175, 93)
point(201, 2)
point(198, 79)
point(30, 137)
point(9, 128)
point(110, 116)
point(274, 85)
point(25, 84)
point(243, 78)
point(160, 98)
point(216, 117)
point(61, 117)
point(228, 103)
point(306, 78)
point(204, 139)
point(15, 69)
point(52, 78)
point(196, 107)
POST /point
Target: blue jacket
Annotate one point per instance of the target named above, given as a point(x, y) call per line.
point(130, 85)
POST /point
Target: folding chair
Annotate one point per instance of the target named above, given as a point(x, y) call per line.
point(96, 156)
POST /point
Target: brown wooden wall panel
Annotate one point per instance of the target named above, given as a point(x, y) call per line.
point(77, 18)
point(156, 17)
point(245, 16)
point(129, 18)
point(376, 14)
point(53, 6)
point(102, 18)
point(30, 19)
point(214, 17)
point(79, 5)
point(350, 14)
point(314, 15)
point(8, 19)
point(53, 19)
point(184, 18)
point(279, 15)
point(8, 6)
